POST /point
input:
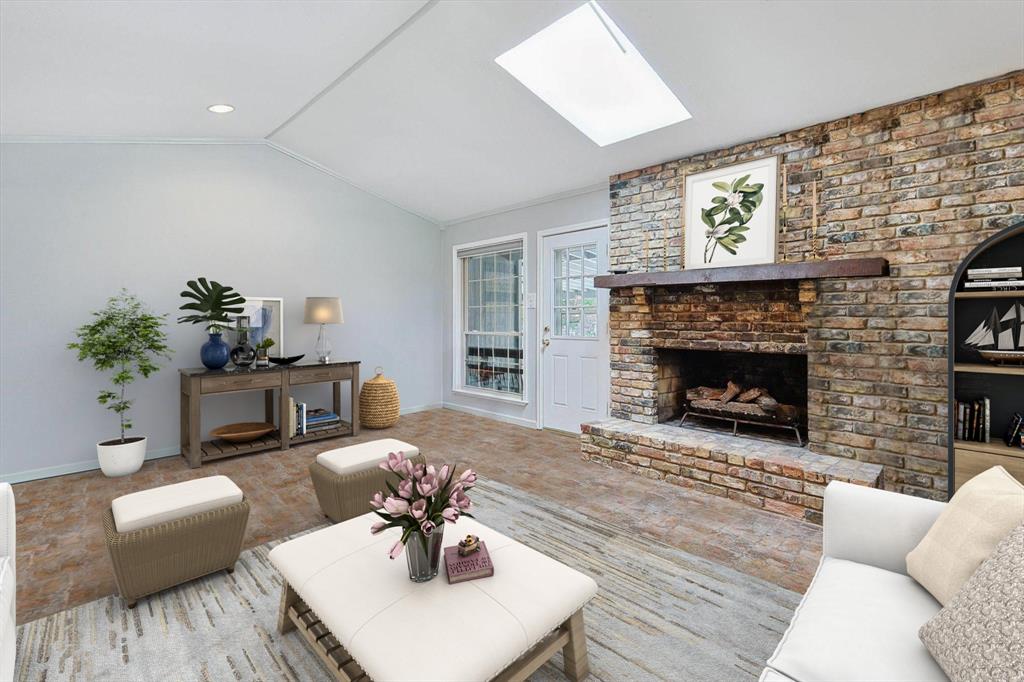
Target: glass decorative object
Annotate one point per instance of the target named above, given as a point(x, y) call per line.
point(243, 354)
point(424, 563)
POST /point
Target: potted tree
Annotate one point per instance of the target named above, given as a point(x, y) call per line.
point(211, 304)
point(126, 338)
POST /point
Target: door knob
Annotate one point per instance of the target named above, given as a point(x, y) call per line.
point(546, 342)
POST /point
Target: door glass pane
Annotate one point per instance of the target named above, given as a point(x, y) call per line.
point(574, 297)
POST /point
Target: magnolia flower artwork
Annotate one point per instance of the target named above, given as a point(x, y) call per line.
point(731, 215)
point(421, 500)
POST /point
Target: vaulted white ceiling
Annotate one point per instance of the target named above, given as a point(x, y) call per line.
point(405, 100)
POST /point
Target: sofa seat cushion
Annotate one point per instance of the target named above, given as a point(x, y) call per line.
point(8, 636)
point(858, 623)
point(479, 627)
point(770, 675)
point(171, 502)
point(363, 456)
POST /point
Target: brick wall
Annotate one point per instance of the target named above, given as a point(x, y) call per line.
point(920, 183)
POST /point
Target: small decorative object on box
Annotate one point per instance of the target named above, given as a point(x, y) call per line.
point(469, 545)
point(462, 567)
point(421, 501)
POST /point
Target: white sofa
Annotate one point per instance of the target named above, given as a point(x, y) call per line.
point(8, 634)
point(859, 619)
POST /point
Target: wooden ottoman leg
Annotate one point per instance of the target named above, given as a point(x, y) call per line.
point(288, 599)
point(575, 652)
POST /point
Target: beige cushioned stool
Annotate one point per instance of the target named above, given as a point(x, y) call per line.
point(346, 478)
point(166, 536)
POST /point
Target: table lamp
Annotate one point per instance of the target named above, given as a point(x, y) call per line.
point(323, 310)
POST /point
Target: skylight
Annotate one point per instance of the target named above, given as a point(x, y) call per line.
point(584, 67)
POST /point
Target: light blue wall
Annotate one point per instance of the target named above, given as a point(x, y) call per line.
point(582, 208)
point(79, 221)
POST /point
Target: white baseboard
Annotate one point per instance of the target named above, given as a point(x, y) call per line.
point(92, 464)
point(77, 467)
point(518, 421)
point(421, 408)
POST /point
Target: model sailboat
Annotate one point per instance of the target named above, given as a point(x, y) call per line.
point(998, 338)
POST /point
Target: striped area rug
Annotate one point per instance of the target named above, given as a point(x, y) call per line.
point(660, 614)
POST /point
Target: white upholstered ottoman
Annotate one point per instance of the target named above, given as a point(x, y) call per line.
point(364, 617)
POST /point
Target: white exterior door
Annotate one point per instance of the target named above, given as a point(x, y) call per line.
point(574, 339)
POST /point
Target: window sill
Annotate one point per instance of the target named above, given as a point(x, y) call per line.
point(491, 396)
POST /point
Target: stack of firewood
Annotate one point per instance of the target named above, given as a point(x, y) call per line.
point(735, 401)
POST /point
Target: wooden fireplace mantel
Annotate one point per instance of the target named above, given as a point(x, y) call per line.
point(845, 267)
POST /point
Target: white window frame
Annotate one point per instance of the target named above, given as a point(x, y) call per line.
point(458, 312)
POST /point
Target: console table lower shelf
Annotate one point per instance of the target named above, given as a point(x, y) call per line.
point(217, 449)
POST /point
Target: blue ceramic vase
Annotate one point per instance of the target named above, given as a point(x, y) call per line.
point(215, 353)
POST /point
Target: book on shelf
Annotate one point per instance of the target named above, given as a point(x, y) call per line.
point(292, 421)
point(973, 420)
point(995, 284)
point(470, 567)
point(996, 273)
point(1013, 431)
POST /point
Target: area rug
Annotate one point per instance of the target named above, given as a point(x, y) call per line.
point(660, 613)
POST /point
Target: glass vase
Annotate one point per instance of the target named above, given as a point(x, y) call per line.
point(243, 355)
point(423, 563)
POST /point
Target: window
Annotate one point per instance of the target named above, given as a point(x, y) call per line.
point(575, 305)
point(585, 68)
point(493, 289)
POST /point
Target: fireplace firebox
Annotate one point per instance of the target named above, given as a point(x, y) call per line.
point(762, 391)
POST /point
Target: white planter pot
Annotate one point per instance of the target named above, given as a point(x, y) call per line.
point(121, 459)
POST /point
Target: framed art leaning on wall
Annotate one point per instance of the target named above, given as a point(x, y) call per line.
point(731, 216)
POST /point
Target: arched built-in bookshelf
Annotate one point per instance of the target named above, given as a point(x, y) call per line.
point(972, 378)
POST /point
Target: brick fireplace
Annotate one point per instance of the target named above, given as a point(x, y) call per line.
point(666, 340)
point(919, 183)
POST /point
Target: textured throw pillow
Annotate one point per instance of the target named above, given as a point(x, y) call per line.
point(979, 635)
point(980, 514)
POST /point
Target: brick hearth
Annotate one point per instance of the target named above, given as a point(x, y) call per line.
point(778, 478)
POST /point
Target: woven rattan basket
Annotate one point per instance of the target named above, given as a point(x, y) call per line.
point(378, 402)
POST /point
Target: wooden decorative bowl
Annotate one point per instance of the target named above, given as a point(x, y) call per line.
point(242, 432)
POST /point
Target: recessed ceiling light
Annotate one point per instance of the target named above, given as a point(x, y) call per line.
point(220, 108)
point(584, 67)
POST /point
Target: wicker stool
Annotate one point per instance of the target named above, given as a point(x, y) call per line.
point(167, 536)
point(346, 478)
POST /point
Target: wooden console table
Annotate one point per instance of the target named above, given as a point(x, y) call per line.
point(197, 382)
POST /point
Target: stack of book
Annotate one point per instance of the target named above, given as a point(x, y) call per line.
point(995, 279)
point(303, 420)
point(320, 419)
point(1015, 431)
point(973, 420)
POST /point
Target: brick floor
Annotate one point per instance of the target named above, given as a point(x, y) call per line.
point(62, 560)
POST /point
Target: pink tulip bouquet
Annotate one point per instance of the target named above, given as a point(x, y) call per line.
point(422, 499)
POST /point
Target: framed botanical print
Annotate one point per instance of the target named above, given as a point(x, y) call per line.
point(731, 216)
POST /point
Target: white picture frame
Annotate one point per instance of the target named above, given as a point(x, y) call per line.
point(754, 241)
point(268, 306)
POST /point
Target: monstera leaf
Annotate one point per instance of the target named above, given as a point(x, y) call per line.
point(211, 301)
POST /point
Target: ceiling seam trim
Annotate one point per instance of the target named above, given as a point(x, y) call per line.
point(352, 69)
point(281, 149)
point(547, 199)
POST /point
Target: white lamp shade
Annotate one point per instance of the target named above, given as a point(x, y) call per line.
point(323, 310)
